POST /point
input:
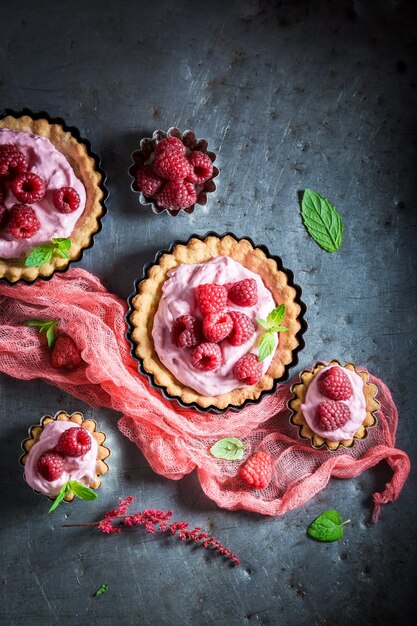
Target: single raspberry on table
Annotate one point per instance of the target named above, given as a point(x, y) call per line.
point(75, 442)
point(28, 187)
point(176, 194)
point(206, 357)
point(65, 353)
point(66, 199)
point(334, 383)
point(169, 143)
point(12, 161)
point(147, 181)
point(172, 165)
point(50, 465)
point(248, 369)
point(201, 167)
point(23, 223)
point(217, 326)
point(332, 415)
point(186, 332)
point(257, 470)
point(244, 292)
point(243, 328)
point(211, 298)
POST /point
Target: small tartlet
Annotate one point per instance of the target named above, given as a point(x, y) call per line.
point(77, 419)
point(299, 391)
point(143, 304)
point(87, 169)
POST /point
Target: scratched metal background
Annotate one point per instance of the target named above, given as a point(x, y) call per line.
point(290, 95)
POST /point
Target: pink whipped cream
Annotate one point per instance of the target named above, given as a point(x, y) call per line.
point(178, 298)
point(356, 404)
point(52, 166)
point(81, 468)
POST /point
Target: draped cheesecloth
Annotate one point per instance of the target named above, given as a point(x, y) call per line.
point(175, 440)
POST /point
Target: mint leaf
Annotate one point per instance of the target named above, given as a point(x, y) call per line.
point(45, 326)
point(102, 589)
point(229, 449)
point(266, 346)
point(81, 491)
point(59, 498)
point(276, 316)
point(322, 220)
point(62, 247)
point(262, 323)
point(39, 255)
point(327, 527)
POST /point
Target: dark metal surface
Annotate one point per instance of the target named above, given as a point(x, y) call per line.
point(290, 95)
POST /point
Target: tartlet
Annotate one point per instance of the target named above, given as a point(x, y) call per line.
point(30, 444)
point(145, 300)
point(86, 168)
point(364, 420)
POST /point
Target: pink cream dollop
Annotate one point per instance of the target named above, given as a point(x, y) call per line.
point(81, 468)
point(356, 404)
point(52, 166)
point(178, 298)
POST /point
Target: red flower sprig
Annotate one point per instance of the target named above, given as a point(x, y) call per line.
point(152, 520)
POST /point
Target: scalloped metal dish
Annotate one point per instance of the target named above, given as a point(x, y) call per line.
point(75, 133)
point(194, 405)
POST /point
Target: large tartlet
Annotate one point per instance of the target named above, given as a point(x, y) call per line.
point(145, 301)
point(298, 400)
point(86, 168)
point(75, 419)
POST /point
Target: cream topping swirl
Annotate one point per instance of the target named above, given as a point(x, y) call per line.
point(178, 298)
point(81, 468)
point(356, 404)
point(52, 166)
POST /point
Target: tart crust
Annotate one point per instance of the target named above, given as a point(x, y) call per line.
point(78, 419)
point(145, 304)
point(299, 391)
point(84, 167)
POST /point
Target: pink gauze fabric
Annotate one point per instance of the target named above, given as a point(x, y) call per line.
point(174, 440)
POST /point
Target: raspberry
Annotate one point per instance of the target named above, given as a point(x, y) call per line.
point(12, 161)
point(186, 332)
point(169, 143)
point(211, 298)
point(177, 194)
point(65, 353)
point(217, 326)
point(50, 465)
point(23, 222)
point(206, 357)
point(3, 216)
point(28, 187)
point(66, 200)
point(335, 384)
point(257, 470)
point(147, 181)
point(201, 167)
point(331, 415)
point(243, 328)
point(172, 165)
point(248, 370)
point(244, 292)
point(74, 442)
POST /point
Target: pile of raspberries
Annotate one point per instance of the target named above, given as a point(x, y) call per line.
point(203, 336)
point(333, 413)
point(171, 176)
point(72, 443)
point(21, 221)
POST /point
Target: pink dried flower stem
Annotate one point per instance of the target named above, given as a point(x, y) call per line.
point(152, 520)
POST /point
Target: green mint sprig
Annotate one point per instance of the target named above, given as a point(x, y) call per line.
point(229, 449)
point(322, 220)
point(79, 490)
point(327, 527)
point(45, 326)
point(44, 253)
point(272, 325)
point(102, 589)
